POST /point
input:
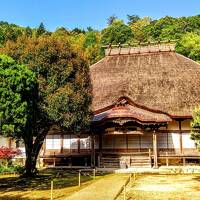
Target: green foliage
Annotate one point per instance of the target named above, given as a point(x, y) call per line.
point(132, 19)
point(11, 169)
point(189, 46)
point(171, 28)
point(17, 85)
point(138, 26)
point(117, 32)
point(41, 30)
point(64, 92)
point(9, 32)
point(111, 19)
point(195, 134)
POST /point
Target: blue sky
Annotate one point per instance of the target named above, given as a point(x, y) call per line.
point(84, 13)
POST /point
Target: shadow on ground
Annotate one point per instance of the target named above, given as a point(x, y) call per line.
point(62, 179)
point(197, 178)
point(17, 197)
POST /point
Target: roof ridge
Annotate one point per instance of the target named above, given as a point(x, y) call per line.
point(137, 48)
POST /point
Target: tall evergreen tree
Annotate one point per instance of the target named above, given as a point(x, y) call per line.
point(40, 30)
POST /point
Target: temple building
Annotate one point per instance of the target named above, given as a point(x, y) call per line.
point(143, 100)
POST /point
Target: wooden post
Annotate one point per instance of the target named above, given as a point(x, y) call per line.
point(167, 160)
point(79, 144)
point(62, 138)
point(94, 171)
point(44, 147)
point(51, 190)
point(126, 142)
point(54, 160)
point(124, 192)
point(183, 161)
point(100, 150)
point(150, 157)
point(92, 151)
point(180, 135)
point(155, 152)
point(79, 178)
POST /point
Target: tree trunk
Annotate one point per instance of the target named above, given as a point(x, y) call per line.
point(32, 151)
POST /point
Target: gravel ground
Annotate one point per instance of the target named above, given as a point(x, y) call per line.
point(164, 187)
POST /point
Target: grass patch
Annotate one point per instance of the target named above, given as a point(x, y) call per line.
point(65, 183)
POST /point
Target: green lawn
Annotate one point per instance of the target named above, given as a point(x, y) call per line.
point(65, 183)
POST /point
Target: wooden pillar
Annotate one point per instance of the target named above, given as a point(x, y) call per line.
point(44, 147)
point(140, 142)
point(155, 150)
point(79, 143)
point(100, 143)
point(100, 150)
point(61, 143)
point(180, 137)
point(126, 142)
point(92, 151)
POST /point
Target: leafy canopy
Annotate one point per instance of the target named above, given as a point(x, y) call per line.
point(17, 88)
point(195, 134)
point(117, 32)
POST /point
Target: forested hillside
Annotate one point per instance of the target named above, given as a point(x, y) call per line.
point(184, 29)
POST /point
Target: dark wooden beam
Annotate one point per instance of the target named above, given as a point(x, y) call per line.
point(79, 143)
point(92, 150)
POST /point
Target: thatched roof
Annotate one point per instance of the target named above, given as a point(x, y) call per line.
point(124, 108)
point(155, 78)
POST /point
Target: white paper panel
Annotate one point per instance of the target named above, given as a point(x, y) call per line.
point(66, 142)
point(49, 142)
point(74, 142)
point(53, 142)
point(174, 140)
point(85, 142)
point(187, 142)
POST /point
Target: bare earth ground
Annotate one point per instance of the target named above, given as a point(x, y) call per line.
point(164, 187)
point(103, 189)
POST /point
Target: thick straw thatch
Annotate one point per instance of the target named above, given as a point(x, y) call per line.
point(160, 80)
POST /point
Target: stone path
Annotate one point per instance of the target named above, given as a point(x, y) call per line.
point(103, 189)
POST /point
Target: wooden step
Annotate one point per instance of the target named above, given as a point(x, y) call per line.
point(116, 162)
